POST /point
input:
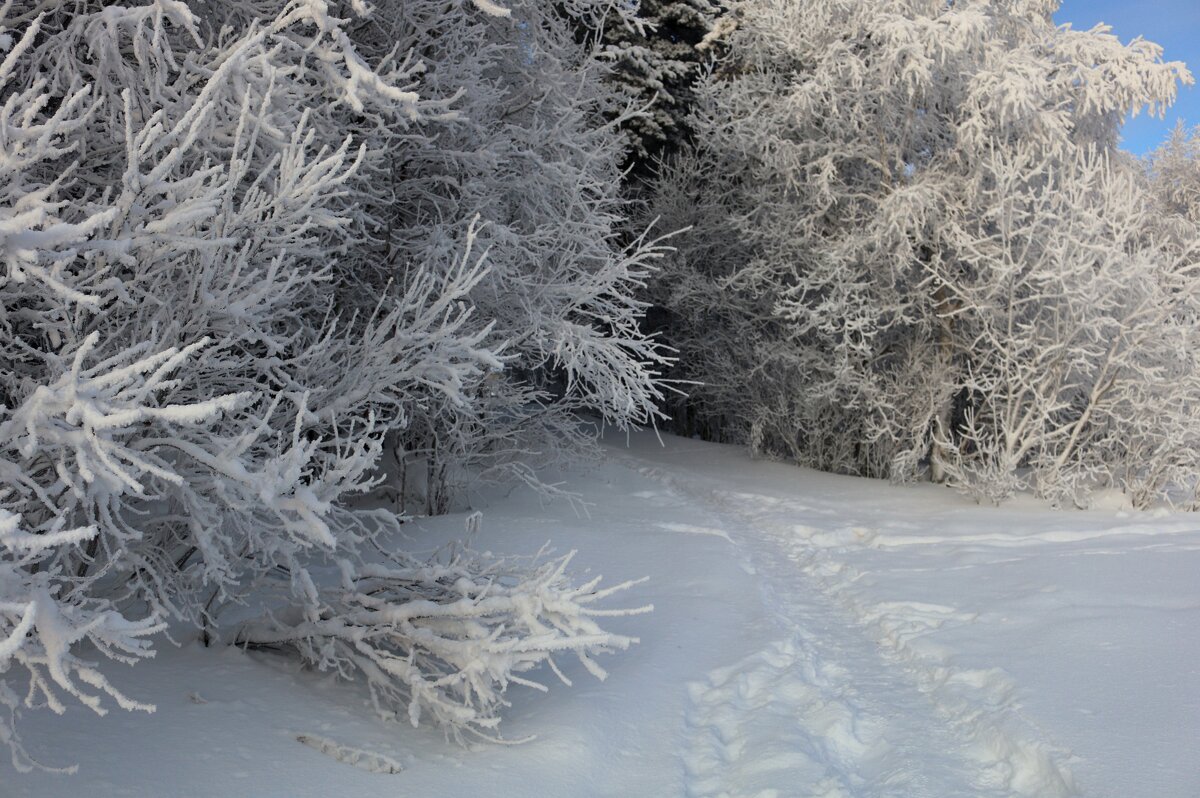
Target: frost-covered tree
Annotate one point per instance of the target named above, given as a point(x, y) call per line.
point(219, 308)
point(921, 252)
point(1175, 173)
point(534, 150)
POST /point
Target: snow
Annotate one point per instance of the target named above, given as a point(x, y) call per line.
point(813, 635)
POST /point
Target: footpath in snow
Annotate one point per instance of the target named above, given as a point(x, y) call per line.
point(813, 635)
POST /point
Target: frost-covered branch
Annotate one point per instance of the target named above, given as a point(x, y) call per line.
point(445, 639)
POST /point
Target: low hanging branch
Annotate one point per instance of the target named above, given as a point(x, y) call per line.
point(447, 639)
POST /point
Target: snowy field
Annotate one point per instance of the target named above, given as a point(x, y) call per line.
point(813, 635)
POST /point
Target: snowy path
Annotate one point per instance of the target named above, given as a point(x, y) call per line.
point(813, 636)
point(849, 703)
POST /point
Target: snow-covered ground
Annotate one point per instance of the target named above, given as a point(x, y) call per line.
point(813, 635)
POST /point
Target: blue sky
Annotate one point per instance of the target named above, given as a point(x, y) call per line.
point(1174, 24)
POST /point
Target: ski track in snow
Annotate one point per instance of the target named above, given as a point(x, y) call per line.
point(853, 701)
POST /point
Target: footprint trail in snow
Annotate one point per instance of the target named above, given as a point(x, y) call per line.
point(851, 700)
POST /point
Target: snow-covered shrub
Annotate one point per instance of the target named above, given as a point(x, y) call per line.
point(221, 298)
point(925, 253)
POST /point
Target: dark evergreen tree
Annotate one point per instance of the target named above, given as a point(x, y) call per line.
point(658, 65)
